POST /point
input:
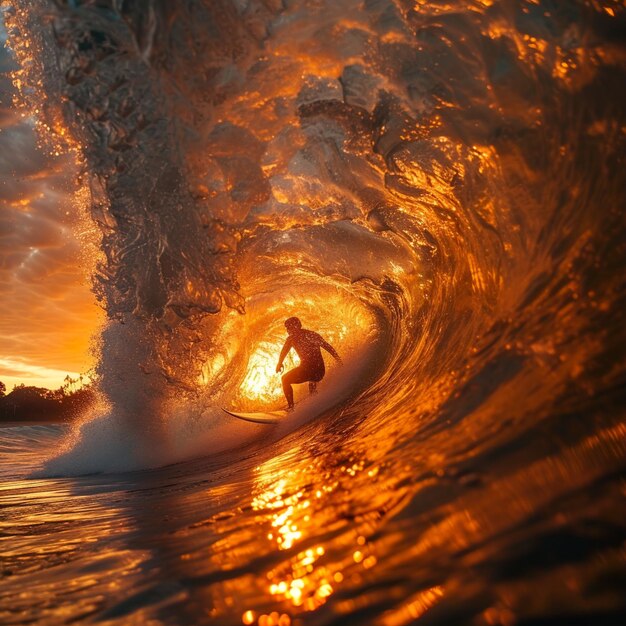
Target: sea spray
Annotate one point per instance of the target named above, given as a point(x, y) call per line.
point(162, 266)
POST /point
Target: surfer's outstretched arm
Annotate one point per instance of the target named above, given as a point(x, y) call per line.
point(331, 351)
point(283, 353)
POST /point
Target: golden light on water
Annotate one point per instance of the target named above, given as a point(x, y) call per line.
point(272, 619)
point(325, 557)
point(248, 617)
point(302, 580)
point(413, 608)
point(292, 513)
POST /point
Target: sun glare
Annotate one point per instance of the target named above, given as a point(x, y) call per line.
point(262, 383)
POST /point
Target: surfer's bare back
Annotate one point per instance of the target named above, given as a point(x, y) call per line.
point(311, 369)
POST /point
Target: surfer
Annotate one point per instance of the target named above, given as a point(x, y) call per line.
point(307, 344)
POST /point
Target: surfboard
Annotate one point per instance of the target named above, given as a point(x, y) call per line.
point(271, 417)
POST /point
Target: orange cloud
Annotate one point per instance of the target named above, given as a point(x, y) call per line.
point(48, 314)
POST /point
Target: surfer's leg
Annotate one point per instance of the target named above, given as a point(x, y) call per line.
point(314, 377)
point(288, 391)
point(293, 377)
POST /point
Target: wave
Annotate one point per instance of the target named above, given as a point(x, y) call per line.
point(433, 187)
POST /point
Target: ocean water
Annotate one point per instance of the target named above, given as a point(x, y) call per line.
point(435, 187)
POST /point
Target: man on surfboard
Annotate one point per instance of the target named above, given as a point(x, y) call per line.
point(311, 369)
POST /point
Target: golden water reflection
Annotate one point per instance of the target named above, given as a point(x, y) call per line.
point(294, 510)
point(302, 580)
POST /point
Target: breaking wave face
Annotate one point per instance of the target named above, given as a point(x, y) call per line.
point(436, 187)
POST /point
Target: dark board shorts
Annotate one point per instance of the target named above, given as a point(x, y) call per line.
point(304, 373)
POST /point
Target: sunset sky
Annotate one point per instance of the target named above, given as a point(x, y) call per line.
point(48, 315)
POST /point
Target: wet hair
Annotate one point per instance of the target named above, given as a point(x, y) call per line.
point(293, 322)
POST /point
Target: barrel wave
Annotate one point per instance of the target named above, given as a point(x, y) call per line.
point(435, 187)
